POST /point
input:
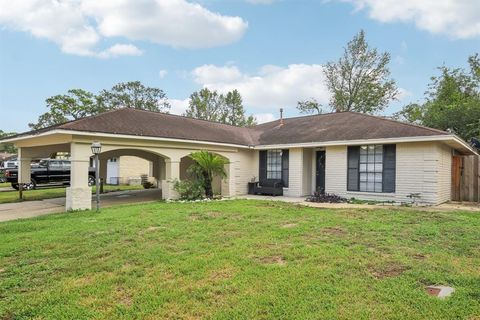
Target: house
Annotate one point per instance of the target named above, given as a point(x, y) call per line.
point(348, 154)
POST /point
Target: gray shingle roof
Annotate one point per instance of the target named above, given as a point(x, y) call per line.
point(316, 128)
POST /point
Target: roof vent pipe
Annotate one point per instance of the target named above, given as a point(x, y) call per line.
point(281, 116)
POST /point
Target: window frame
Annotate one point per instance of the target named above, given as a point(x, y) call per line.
point(274, 164)
point(373, 168)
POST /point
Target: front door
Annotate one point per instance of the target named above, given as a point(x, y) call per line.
point(320, 174)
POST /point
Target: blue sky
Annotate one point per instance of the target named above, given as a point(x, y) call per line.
point(272, 51)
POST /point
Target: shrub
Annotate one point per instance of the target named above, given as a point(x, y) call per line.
point(189, 190)
point(148, 185)
point(325, 198)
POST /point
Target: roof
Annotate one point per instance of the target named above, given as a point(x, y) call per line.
point(316, 128)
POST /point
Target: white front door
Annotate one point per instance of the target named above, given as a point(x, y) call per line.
point(112, 171)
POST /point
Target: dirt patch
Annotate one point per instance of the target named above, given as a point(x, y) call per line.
point(419, 256)
point(289, 225)
point(2, 270)
point(278, 260)
point(336, 231)
point(153, 228)
point(214, 214)
point(389, 271)
point(123, 297)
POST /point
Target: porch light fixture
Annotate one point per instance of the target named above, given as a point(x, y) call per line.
point(96, 149)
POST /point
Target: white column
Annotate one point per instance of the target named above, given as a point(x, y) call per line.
point(24, 170)
point(172, 173)
point(79, 194)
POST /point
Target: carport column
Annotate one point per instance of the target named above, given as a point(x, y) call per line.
point(172, 173)
point(79, 194)
point(24, 160)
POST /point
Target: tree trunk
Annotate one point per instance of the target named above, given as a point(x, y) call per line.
point(208, 185)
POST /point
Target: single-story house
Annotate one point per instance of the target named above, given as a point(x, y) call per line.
point(349, 154)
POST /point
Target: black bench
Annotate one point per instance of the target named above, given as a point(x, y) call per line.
point(269, 187)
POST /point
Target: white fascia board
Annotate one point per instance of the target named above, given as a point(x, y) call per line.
point(368, 141)
point(121, 136)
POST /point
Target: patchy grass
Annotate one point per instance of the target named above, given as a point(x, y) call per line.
point(240, 260)
point(53, 192)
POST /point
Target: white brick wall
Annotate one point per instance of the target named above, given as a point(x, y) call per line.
point(423, 168)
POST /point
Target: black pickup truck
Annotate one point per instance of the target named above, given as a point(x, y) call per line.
point(47, 171)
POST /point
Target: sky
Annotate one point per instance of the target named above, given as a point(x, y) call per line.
point(272, 51)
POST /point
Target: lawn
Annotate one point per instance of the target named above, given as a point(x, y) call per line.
point(240, 260)
point(55, 192)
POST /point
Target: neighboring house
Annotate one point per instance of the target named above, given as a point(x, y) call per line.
point(348, 154)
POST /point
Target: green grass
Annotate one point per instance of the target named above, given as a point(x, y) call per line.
point(240, 260)
point(5, 184)
point(56, 192)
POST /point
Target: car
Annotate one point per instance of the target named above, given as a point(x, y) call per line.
point(47, 171)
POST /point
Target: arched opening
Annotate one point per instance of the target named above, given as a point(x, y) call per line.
point(220, 186)
point(132, 167)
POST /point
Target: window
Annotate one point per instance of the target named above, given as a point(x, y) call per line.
point(371, 168)
point(274, 164)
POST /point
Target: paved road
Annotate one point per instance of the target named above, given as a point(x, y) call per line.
point(28, 209)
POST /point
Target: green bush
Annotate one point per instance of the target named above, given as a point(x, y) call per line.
point(189, 190)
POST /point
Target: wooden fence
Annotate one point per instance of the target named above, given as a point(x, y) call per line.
point(466, 178)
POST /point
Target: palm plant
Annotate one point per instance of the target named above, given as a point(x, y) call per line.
point(208, 165)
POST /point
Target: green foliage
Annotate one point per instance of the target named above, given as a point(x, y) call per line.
point(189, 189)
point(360, 80)
point(207, 165)
point(311, 106)
point(79, 103)
point(7, 147)
point(212, 106)
point(134, 95)
point(452, 102)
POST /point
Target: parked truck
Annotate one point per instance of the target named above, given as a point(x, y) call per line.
point(47, 171)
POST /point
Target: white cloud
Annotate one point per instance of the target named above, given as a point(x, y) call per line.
point(79, 26)
point(264, 117)
point(178, 106)
point(120, 50)
point(455, 18)
point(271, 87)
point(162, 73)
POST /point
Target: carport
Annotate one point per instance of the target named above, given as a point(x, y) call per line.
point(165, 140)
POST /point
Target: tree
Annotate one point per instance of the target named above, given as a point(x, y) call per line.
point(452, 102)
point(208, 165)
point(7, 147)
point(79, 103)
point(212, 106)
point(206, 105)
point(134, 95)
point(76, 104)
point(360, 79)
point(311, 106)
point(234, 113)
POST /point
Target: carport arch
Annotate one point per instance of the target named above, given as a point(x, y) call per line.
point(157, 160)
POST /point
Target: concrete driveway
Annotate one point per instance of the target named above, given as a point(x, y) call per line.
point(28, 209)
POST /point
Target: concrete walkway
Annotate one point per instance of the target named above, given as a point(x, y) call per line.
point(28, 209)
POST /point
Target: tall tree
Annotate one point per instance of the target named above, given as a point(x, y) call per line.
point(210, 105)
point(134, 95)
point(360, 80)
point(311, 106)
point(76, 104)
point(79, 103)
point(234, 112)
point(206, 105)
point(452, 102)
point(7, 147)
